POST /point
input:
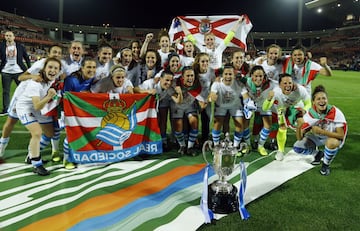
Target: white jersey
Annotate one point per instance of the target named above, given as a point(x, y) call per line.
point(283, 101)
point(123, 89)
point(298, 71)
point(228, 96)
point(187, 102)
point(18, 91)
point(259, 94)
point(164, 57)
point(102, 70)
point(271, 71)
point(164, 95)
point(329, 121)
point(32, 89)
point(205, 80)
point(215, 55)
point(186, 60)
point(71, 66)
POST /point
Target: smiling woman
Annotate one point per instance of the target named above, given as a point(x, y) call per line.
point(28, 106)
point(329, 129)
point(292, 100)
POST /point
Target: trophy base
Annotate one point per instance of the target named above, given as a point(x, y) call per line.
point(223, 202)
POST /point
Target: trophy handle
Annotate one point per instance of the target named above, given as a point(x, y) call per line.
point(207, 144)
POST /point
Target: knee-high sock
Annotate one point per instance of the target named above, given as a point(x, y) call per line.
point(66, 149)
point(192, 137)
point(237, 138)
point(55, 140)
point(281, 139)
point(3, 143)
point(264, 133)
point(44, 141)
point(180, 138)
point(329, 155)
point(216, 136)
point(246, 135)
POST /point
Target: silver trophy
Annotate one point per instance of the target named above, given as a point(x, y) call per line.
point(222, 195)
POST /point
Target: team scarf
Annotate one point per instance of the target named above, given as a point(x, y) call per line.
point(308, 74)
point(111, 127)
point(219, 25)
point(333, 114)
point(194, 90)
point(252, 88)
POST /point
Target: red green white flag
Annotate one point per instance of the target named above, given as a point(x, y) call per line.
point(111, 127)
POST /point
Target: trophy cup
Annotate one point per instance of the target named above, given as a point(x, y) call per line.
point(222, 195)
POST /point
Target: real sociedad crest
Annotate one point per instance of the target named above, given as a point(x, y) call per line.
point(205, 26)
point(116, 126)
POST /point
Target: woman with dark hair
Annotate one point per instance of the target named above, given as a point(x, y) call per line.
point(79, 81)
point(186, 108)
point(290, 101)
point(324, 125)
point(302, 69)
point(28, 106)
point(258, 87)
point(226, 93)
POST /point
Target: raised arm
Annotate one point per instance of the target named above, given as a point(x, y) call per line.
point(325, 70)
point(186, 31)
point(269, 101)
point(233, 30)
point(145, 45)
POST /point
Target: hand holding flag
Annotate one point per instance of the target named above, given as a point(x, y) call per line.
point(218, 25)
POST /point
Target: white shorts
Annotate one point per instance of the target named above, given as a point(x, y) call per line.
point(12, 108)
point(180, 112)
point(320, 140)
point(27, 117)
point(234, 112)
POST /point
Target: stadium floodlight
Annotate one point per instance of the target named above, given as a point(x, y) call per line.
point(317, 3)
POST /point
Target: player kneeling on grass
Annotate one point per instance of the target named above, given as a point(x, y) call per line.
point(328, 127)
point(28, 106)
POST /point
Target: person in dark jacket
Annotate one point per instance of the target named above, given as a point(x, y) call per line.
point(12, 55)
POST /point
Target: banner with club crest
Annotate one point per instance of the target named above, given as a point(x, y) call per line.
point(219, 25)
point(110, 127)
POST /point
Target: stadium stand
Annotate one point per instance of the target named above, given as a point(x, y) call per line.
point(340, 45)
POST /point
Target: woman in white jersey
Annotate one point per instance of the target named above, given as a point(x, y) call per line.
point(258, 87)
point(32, 73)
point(166, 92)
point(28, 106)
point(226, 94)
point(324, 125)
point(287, 99)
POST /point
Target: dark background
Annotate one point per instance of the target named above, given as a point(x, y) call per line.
point(265, 15)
